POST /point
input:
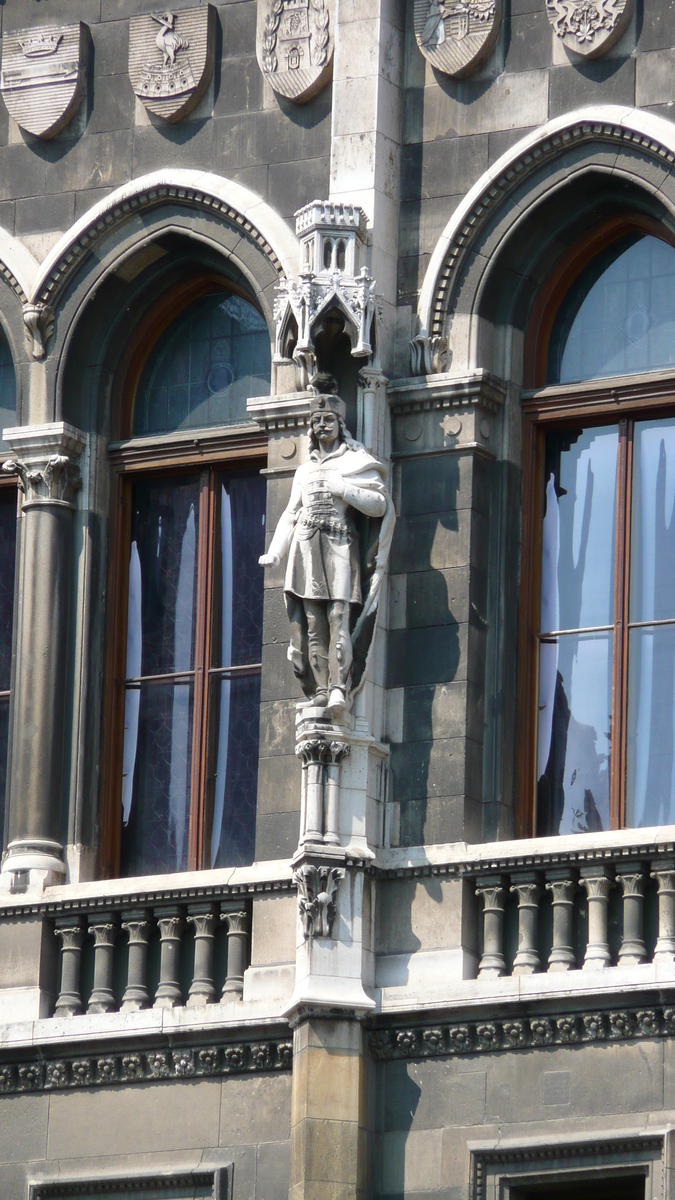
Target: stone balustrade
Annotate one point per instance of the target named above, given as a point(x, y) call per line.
point(606, 910)
point(154, 955)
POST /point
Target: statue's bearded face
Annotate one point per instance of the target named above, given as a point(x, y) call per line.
point(326, 427)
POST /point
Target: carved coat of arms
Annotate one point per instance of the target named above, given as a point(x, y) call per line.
point(43, 76)
point(295, 46)
point(589, 27)
point(171, 59)
point(455, 35)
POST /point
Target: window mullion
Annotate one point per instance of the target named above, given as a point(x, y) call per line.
point(620, 655)
point(202, 659)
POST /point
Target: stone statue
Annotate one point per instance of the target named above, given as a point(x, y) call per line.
point(337, 531)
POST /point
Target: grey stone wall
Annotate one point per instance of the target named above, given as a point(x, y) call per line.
point(118, 1130)
point(429, 1113)
point(239, 129)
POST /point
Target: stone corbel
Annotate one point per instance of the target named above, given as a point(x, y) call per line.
point(39, 320)
point(429, 355)
point(317, 897)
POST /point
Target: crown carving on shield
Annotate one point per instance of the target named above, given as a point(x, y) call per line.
point(39, 45)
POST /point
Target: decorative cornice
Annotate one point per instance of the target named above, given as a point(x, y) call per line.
point(278, 413)
point(486, 1035)
point(145, 898)
point(427, 392)
point(498, 187)
point(140, 202)
point(214, 1178)
point(56, 1072)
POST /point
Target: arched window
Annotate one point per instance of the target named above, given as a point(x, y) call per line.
point(189, 593)
point(602, 597)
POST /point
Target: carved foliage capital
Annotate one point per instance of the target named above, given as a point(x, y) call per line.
point(317, 891)
point(39, 320)
point(55, 479)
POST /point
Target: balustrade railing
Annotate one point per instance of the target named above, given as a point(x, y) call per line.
point(580, 916)
point(159, 956)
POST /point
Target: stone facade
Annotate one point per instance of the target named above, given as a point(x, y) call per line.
point(409, 997)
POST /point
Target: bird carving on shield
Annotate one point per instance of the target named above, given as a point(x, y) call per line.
point(169, 42)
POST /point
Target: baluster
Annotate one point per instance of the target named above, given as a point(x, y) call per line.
point(170, 922)
point(633, 881)
point(664, 874)
point(597, 882)
point(138, 926)
point(525, 884)
point(104, 928)
point(202, 990)
point(493, 891)
point(71, 931)
point(562, 885)
point(237, 939)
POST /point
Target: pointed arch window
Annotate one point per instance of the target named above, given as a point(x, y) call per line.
point(598, 632)
point(187, 630)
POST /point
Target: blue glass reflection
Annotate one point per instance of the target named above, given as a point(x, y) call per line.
point(618, 318)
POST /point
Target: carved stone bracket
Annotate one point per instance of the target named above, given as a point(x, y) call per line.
point(429, 355)
point(317, 893)
point(39, 320)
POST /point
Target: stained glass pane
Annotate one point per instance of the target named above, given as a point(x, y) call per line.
point(619, 316)
point(163, 576)
point(236, 719)
point(157, 762)
point(241, 542)
point(204, 367)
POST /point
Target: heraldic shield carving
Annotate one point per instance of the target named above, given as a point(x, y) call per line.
point(171, 59)
point(589, 27)
point(43, 76)
point(456, 35)
point(295, 46)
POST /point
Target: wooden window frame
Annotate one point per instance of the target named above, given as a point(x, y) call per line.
point(204, 450)
point(619, 401)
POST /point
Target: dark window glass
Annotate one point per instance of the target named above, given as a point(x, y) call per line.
point(619, 315)
point(192, 671)
point(7, 389)
point(205, 365)
point(7, 561)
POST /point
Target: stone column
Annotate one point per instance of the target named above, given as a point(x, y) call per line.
point(526, 886)
point(72, 932)
point(664, 874)
point(633, 880)
point(562, 885)
point(105, 927)
point(329, 1123)
point(170, 922)
point(237, 941)
point(46, 463)
point(597, 882)
point(202, 990)
point(493, 891)
point(139, 928)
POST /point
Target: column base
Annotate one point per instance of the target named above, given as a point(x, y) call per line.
point(33, 863)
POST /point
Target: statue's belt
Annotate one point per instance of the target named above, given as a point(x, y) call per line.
point(327, 524)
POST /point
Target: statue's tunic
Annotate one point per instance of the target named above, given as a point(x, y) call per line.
point(319, 531)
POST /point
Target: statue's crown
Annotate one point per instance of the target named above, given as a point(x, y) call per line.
point(328, 403)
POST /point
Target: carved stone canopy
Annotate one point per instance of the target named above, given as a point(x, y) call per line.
point(456, 35)
point(171, 57)
point(294, 44)
point(589, 27)
point(43, 76)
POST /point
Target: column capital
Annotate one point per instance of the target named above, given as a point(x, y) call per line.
point(45, 457)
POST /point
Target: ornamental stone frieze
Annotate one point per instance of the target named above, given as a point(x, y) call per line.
point(333, 238)
point(171, 57)
point(295, 43)
point(456, 35)
point(43, 76)
point(589, 27)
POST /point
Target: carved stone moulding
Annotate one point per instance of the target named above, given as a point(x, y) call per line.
point(43, 76)
point(589, 27)
point(456, 35)
point(295, 46)
point(171, 58)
